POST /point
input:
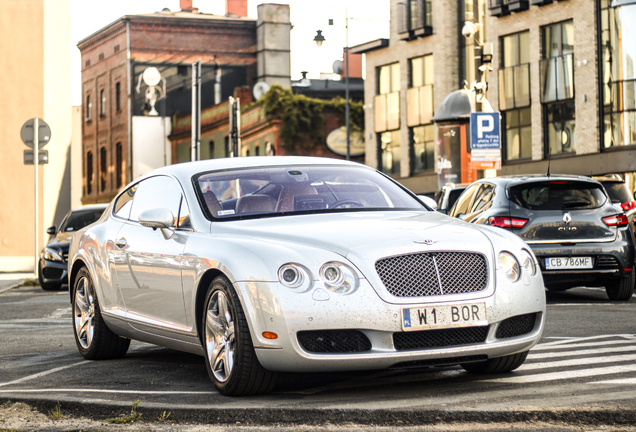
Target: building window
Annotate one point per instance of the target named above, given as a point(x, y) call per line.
point(89, 108)
point(118, 96)
point(518, 134)
point(390, 152)
point(619, 74)
point(211, 148)
point(102, 103)
point(420, 110)
point(415, 18)
point(89, 173)
point(257, 150)
point(514, 95)
point(387, 99)
point(557, 87)
point(103, 169)
point(119, 165)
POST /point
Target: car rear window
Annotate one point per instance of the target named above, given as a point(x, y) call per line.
point(558, 195)
point(617, 191)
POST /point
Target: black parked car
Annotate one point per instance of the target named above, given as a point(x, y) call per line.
point(577, 235)
point(52, 271)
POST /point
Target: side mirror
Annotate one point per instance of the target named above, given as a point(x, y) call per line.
point(428, 201)
point(51, 230)
point(161, 218)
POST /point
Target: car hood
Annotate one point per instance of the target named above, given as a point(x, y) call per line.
point(61, 241)
point(365, 236)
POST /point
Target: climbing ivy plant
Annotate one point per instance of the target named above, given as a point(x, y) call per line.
point(303, 119)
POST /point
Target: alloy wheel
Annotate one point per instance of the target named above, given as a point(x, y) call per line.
point(84, 313)
point(220, 336)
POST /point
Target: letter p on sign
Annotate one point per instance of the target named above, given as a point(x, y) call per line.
point(484, 124)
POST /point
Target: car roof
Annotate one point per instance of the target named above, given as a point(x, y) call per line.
point(513, 180)
point(186, 170)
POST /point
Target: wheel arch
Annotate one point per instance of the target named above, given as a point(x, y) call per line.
point(72, 275)
point(202, 291)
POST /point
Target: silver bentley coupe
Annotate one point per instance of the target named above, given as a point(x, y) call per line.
point(289, 264)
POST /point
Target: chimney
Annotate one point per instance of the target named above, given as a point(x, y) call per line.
point(236, 7)
point(186, 6)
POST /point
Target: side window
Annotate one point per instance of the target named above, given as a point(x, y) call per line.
point(157, 192)
point(124, 203)
point(484, 196)
point(463, 202)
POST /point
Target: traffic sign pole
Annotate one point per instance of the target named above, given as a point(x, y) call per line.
point(36, 148)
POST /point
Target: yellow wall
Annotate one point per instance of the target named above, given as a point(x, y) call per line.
point(35, 62)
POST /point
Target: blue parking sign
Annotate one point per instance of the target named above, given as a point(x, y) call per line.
point(485, 132)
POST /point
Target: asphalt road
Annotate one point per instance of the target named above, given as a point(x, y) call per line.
point(583, 371)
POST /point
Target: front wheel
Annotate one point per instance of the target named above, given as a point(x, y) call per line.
point(229, 353)
point(497, 365)
point(621, 289)
point(94, 339)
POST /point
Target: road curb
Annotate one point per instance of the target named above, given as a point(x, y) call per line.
point(284, 416)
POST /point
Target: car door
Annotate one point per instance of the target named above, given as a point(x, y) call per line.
point(149, 270)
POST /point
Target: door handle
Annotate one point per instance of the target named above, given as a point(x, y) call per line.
point(121, 243)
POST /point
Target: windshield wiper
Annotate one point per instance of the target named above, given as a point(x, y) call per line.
point(580, 203)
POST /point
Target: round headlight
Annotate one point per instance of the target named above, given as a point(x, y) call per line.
point(509, 265)
point(294, 277)
point(338, 277)
point(527, 263)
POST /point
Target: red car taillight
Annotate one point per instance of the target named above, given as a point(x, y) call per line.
point(627, 206)
point(507, 222)
point(617, 221)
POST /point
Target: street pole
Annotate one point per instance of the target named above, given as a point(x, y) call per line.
point(347, 81)
point(36, 156)
point(196, 110)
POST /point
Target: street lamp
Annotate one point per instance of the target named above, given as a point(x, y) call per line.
point(319, 39)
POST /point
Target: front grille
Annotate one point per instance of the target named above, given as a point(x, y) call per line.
point(334, 341)
point(443, 338)
point(606, 262)
point(431, 274)
point(441, 361)
point(516, 326)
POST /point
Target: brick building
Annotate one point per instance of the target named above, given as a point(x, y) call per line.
point(563, 80)
point(126, 121)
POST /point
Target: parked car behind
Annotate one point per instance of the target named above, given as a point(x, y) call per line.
point(297, 264)
point(447, 195)
point(577, 235)
point(52, 269)
point(620, 195)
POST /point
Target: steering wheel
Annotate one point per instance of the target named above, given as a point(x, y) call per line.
point(346, 201)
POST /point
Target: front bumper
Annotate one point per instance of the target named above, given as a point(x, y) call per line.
point(53, 272)
point(272, 308)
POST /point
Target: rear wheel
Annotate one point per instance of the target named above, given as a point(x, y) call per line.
point(229, 353)
point(621, 289)
point(497, 365)
point(44, 285)
point(94, 339)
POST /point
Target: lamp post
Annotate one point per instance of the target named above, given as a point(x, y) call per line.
point(319, 39)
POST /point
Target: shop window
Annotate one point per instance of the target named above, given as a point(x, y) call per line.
point(559, 127)
point(423, 148)
point(518, 134)
point(390, 152)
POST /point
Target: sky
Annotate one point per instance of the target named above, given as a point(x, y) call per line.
point(368, 20)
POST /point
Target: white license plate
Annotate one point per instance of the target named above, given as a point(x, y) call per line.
point(444, 316)
point(568, 263)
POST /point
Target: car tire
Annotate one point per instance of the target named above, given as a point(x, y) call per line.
point(44, 285)
point(94, 339)
point(229, 353)
point(621, 289)
point(497, 365)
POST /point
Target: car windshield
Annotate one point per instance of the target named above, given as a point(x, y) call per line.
point(299, 189)
point(79, 219)
point(558, 195)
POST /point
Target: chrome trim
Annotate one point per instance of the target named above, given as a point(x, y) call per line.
point(268, 347)
point(134, 318)
point(549, 272)
point(570, 241)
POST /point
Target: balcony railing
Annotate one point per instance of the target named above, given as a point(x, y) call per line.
point(419, 105)
point(498, 7)
point(557, 78)
point(620, 96)
point(415, 18)
point(514, 87)
point(518, 5)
